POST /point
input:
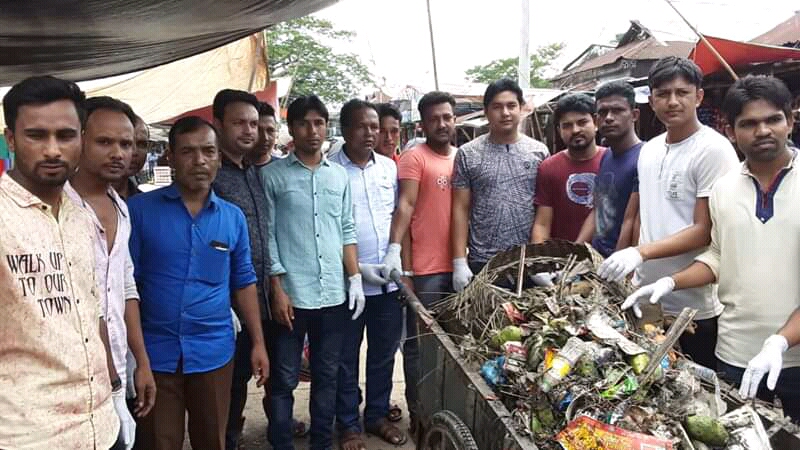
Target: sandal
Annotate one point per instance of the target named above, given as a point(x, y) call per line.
point(388, 432)
point(395, 414)
point(351, 440)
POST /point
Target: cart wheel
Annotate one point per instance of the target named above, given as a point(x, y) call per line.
point(447, 432)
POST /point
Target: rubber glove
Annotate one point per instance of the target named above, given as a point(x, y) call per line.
point(462, 275)
point(655, 291)
point(620, 264)
point(356, 295)
point(768, 361)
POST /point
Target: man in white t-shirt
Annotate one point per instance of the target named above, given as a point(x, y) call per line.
point(754, 246)
point(676, 172)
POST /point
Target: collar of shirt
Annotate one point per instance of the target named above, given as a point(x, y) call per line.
point(171, 192)
point(342, 159)
point(21, 196)
point(292, 159)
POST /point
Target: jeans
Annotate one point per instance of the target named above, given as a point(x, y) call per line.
point(383, 319)
point(430, 289)
point(701, 345)
point(787, 389)
point(325, 328)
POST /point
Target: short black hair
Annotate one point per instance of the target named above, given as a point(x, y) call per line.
point(617, 87)
point(111, 104)
point(756, 87)
point(502, 85)
point(578, 103)
point(302, 105)
point(265, 109)
point(672, 67)
point(434, 98)
point(185, 125)
point(41, 90)
point(227, 96)
point(349, 108)
point(389, 110)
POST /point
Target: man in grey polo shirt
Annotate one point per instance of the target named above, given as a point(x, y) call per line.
point(494, 179)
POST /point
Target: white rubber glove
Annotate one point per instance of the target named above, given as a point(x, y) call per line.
point(372, 273)
point(620, 264)
point(768, 360)
point(544, 279)
point(462, 275)
point(655, 291)
point(127, 424)
point(356, 295)
point(392, 261)
point(237, 324)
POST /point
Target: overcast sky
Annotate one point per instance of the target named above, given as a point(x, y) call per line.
point(392, 36)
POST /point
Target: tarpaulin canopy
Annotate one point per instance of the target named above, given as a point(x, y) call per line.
point(268, 95)
point(738, 54)
point(90, 39)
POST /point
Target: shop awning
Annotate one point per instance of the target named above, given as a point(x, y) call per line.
point(738, 54)
point(91, 39)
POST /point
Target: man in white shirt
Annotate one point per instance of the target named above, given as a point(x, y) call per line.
point(108, 142)
point(373, 183)
point(754, 245)
point(676, 172)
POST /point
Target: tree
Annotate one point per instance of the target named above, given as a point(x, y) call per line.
point(541, 59)
point(300, 48)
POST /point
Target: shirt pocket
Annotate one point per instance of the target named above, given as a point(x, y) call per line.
point(675, 185)
point(331, 201)
point(214, 264)
point(386, 194)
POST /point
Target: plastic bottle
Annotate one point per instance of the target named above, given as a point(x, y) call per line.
point(563, 363)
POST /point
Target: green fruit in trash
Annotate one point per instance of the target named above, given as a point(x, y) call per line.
point(536, 426)
point(706, 430)
point(586, 368)
point(509, 333)
point(639, 362)
point(546, 417)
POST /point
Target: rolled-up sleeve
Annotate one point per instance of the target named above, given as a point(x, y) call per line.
point(242, 272)
point(348, 222)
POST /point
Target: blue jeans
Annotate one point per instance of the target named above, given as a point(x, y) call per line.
point(787, 389)
point(383, 318)
point(325, 328)
point(430, 289)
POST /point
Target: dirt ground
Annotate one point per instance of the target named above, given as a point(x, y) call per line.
point(255, 426)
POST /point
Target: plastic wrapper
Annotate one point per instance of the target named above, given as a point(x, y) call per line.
point(585, 433)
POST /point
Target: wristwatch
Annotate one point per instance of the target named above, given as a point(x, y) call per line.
point(116, 384)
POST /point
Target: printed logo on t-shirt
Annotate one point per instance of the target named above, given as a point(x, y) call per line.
point(674, 185)
point(580, 187)
point(443, 181)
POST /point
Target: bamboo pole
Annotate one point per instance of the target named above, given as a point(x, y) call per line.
point(705, 41)
point(433, 49)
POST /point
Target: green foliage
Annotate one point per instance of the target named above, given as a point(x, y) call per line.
point(300, 48)
point(541, 59)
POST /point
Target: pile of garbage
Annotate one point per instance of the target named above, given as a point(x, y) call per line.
point(548, 335)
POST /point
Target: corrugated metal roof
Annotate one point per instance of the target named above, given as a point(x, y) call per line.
point(650, 48)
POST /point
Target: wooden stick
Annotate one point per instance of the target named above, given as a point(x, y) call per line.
point(521, 271)
point(705, 41)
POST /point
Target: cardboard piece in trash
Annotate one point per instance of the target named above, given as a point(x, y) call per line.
point(585, 433)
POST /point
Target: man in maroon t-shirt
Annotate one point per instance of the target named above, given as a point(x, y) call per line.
point(566, 180)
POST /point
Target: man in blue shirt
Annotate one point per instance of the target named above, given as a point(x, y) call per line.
point(191, 255)
point(312, 243)
point(611, 225)
point(373, 183)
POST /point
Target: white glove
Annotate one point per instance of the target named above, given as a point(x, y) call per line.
point(372, 273)
point(462, 275)
point(620, 264)
point(769, 360)
point(356, 295)
point(660, 288)
point(237, 324)
point(127, 424)
point(392, 261)
point(544, 279)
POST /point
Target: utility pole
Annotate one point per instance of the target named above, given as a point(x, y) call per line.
point(524, 66)
point(433, 48)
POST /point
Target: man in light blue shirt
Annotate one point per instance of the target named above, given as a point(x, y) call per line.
point(373, 183)
point(312, 243)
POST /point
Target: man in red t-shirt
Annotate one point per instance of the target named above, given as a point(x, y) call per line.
point(566, 180)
